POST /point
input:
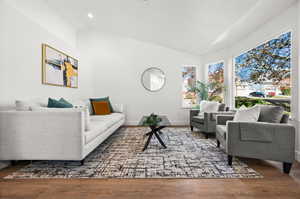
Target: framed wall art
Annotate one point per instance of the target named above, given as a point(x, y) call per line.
point(58, 68)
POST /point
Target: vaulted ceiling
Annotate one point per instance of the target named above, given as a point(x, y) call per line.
point(194, 26)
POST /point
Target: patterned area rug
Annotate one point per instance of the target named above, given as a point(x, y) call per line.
point(120, 156)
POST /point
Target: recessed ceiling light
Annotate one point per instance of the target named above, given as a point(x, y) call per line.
point(90, 15)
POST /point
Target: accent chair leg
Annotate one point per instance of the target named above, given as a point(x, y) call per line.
point(229, 160)
point(192, 128)
point(218, 144)
point(82, 162)
point(287, 167)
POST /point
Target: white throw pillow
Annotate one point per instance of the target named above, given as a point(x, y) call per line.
point(247, 115)
point(208, 107)
point(86, 113)
point(25, 105)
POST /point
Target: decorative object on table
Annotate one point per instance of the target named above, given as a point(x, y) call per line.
point(263, 139)
point(153, 79)
point(187, 156)
point(156, 124)
point(152, 120)
point(205, 91)
point(59, 69)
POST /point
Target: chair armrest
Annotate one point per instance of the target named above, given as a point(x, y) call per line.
point(213, 115)
point(193, 113)
point(279, 137)
point(222, 119)
point(118, 108)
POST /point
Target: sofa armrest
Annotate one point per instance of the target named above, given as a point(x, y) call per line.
point(222, 119)
point(118, 108)
point(41, 135)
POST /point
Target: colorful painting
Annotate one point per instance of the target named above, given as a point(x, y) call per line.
point(189, 99)
point(59, 69)
point(216, 77)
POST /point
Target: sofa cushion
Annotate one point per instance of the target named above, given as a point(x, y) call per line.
point(198, 119)
point(221, 129)
point(97, 128)
point(109, 120)
point(270, 114)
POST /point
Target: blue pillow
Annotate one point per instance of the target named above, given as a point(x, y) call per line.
point(66, 102)
point(52, 103)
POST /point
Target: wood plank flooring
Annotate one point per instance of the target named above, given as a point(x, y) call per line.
point(274, 185)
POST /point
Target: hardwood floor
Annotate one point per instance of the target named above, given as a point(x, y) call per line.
point(274, 185)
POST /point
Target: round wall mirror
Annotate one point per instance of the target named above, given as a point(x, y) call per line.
point(153, 79)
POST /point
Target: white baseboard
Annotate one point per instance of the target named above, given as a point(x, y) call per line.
point(175, 123)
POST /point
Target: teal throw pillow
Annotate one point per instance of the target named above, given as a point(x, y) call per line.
point(52, 103)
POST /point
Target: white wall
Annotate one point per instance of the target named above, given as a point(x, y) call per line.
point(118, 64)
point(287, 21)
point(21, 38)
point(22, 31)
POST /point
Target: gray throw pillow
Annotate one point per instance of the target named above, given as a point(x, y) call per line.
point(270, 114)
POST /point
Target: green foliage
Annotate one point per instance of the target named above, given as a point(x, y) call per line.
point(207, 91)
point(248, 102)
point(152, 120)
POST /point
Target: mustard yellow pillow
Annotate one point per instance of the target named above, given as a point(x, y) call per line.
point(101, 108)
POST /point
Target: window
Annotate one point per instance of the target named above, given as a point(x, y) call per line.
point(263, 74)
point(189, 99)
point(216, 80)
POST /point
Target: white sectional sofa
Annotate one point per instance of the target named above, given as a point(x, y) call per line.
point(54, 135)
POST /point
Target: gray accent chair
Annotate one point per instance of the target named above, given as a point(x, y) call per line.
point(260, 140)
point(206, 123)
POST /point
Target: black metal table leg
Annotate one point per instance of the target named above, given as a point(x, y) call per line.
point(159, 139)
point(148, 141)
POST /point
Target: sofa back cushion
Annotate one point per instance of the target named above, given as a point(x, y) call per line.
point(270, 114)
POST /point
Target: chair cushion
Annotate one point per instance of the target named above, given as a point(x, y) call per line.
point(221, 129)
point(208, 107)
point(198, 119)
point(247, 115)
point(270, 114)
point(109, 120)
